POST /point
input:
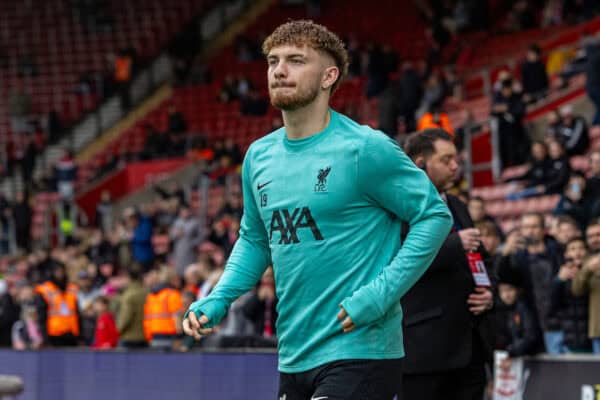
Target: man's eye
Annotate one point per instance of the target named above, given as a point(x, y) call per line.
point(297, 61)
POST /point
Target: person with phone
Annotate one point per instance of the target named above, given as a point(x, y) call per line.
point(571, 311)
point(532, 256)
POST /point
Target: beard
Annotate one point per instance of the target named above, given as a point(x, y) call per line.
point(293, 101)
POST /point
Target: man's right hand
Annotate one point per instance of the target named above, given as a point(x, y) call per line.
point(470, 238)
point(514, 242)
point(193, 326)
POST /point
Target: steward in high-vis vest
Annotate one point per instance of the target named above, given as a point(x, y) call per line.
point(59, 315)
point(162, 312)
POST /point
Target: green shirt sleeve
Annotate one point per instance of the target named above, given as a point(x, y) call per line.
point(248, 260)
point(389, 179)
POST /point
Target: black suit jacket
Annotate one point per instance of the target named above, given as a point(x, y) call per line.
point(440, 333)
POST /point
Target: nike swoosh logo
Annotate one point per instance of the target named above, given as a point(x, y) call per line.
point(259, 186)
point(318, 398)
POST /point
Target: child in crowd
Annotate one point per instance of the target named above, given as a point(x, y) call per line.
point(518, 330)
point(107, 335)
point(587, 281)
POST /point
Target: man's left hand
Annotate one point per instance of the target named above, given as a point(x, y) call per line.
point(347, 324)
point(480, 301)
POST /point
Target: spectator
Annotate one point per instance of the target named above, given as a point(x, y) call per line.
point(229, 90)
point(157, 143)
point(21, 212)
point(592, 69)
point(592, 236)
point(435, 118)
point(411, 92)
point(9, 312)
point(587, 282)
point(570, 310)
point(573, 132)
point(566, 230)
point(478, 213)
point(575, 200)
point(593, 182)
point(533, 75)
point(377, 77)
point(508, 108)
point(232, 150)
point(554, 120)
point(54, 126)
point(19, 108)
point(161, 244)
point(261, 307)
point(28, 161)
point(533, 180)
point(123, 70)
point(27, 332)
point(558, 174)
point(186, 234)
point(434, 93)
point(176, 121)
point(534, 261)
point(106, 336)
point(518, 330)
point(163, 312)
point(141, 241)
point(59, 313)
point(490, 239)
point(130, 318)
point(66, 175)
point(104, 210)
point(210, 272)
point(191, 280)
point(253, 104)
point(86, 295)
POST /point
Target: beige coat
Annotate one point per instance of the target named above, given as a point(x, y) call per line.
point(585, 282)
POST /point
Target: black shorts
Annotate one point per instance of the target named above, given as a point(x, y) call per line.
point(344, 380)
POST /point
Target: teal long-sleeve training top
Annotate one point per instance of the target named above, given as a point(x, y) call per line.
point(326, 212)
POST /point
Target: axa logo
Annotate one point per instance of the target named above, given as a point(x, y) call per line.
point(287, 223)
point(321, 185)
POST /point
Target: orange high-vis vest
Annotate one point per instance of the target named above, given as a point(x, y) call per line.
point(160, 310)
point(426, 122)
point(122, 69)
point(62, 315)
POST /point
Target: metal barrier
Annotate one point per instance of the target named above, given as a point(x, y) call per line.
point(232, 375)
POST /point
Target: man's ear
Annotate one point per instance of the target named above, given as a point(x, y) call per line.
point(421, 163)
point(330, 76)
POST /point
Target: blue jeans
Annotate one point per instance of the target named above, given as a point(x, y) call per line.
point(523, 194)
point(596, 345)
point(554, 341)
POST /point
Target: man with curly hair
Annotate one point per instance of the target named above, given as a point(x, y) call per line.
point(324, 198)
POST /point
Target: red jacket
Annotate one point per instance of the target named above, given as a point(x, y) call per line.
point(107, 335)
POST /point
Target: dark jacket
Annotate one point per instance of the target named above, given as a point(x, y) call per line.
point(575, 137)
point(518, 332)
point(9, 314)
point(255, 310)
point(440, 333)
point(536, 174)
point(536, 273)
point(572, 312)
point(534, 77)
point(558, 175)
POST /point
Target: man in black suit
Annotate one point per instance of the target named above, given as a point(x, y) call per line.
point(448, 332)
